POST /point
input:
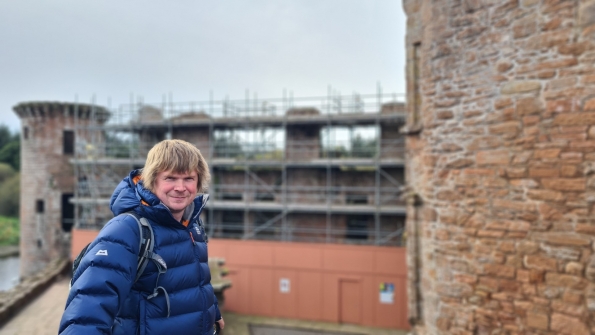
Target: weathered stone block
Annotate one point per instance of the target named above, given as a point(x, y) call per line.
point(565, 184)
point(491, 233)
point(574, 119)
point(460, 163)
point(582, 145)
point(572, 157)
point(503, 102)
point(518, 87)
point(559, 106)
point(588, 79)
point(508, 129)
point(546, 153)
point(574, 268)
point(543, 173)
point(590, 270)
point(524, 28)
point(547, 40)
point(546, 74)
point(538, 320)
point(444, 115)
point(563, 83)
point(529, 3)
point(568, 325)
point(518, 206)
point(586, 14)
point(562, 253)
point(465, 278)
point(569, 309)
point(540, 263)
point(499, 270)
point(552, 24)
point(575, 49)
point(572, 297)
point(455, 290)
point(589, 105)
point(528, 106)
point(443, 324)
point(503, 66)
point(584, 228)
point(557, 64)
point(569, 171)
point(545, 195)
point(569, 239)
point(516, 172)
point(493, 157)
point(563, 280)
point(527, 247)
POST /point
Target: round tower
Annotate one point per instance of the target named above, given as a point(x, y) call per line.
point(501, 166)
point(48, 138)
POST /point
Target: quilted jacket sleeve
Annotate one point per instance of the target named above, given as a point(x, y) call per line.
point(103, 279)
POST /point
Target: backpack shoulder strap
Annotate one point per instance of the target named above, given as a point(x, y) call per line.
point(146, 254)
point(147, 242)
point(79, 257)
point(76, 263)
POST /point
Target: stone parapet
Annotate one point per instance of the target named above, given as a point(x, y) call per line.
point(8, 251)
point(219, 283)
point(12, 301)
point(38, 109)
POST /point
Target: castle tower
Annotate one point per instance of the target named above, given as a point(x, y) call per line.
point(48, 142)
point(500, 166)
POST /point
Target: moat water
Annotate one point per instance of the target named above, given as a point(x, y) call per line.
point(9, 272)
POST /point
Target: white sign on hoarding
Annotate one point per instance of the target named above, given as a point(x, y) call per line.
point(387, 293)
point(284, 285)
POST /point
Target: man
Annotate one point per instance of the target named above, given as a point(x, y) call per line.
point(171, 298)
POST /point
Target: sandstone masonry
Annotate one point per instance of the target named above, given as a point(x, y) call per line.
point(501, 166)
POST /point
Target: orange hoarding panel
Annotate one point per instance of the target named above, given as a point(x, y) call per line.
point(384, 262)
point(285, 293)
point(350, 301)
point(309, 285)
point(321, 282)
point(80, 238)
point(298, 256)
point(261, 292)
point(389, 315)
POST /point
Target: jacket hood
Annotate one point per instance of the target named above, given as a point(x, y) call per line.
point(131, 195)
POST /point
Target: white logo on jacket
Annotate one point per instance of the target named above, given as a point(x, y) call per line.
point(101, 253)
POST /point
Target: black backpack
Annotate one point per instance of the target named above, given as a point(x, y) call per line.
point(145, 252)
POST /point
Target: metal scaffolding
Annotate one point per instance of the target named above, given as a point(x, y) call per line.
point(319, 169)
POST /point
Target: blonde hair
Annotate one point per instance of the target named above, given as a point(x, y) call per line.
point(179, 157)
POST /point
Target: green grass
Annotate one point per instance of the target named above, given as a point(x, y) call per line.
point(9, 231)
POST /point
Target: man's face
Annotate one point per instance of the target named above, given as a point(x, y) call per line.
point(176, 190)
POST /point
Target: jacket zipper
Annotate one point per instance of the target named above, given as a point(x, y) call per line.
point(205, 198)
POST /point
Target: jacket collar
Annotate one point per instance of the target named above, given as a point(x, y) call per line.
point(131, 194)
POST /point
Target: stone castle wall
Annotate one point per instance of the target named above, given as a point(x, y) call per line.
point(501, 166)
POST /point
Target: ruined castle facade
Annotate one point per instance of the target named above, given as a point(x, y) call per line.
point(501, 166)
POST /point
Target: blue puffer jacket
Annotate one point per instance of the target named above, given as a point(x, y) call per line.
point(103, 299)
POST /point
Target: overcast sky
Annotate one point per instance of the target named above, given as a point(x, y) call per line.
point(58, 49)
